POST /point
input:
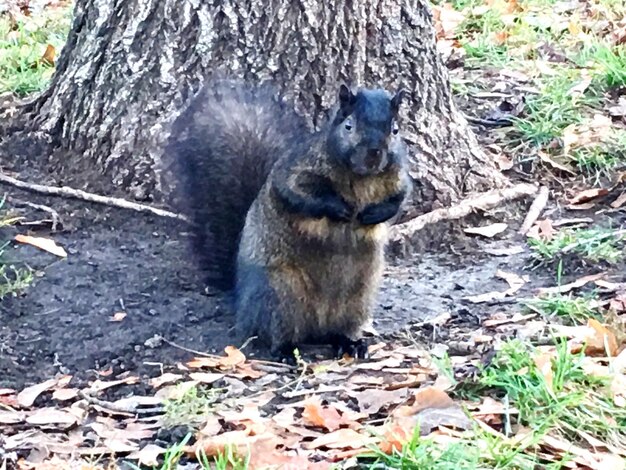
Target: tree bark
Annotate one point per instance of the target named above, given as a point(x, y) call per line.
point(129, 66)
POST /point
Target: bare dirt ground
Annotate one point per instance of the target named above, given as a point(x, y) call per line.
point(121, 261)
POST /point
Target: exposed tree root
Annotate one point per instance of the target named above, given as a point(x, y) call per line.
point(404, 231)
point(65, 191)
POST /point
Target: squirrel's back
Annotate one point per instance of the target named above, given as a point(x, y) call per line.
point(223, 147)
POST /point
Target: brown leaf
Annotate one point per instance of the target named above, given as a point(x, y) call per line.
point(328, 417)
point(599, 342)
point(564, 288)
point(394, 437)
point(542, 230)
point(234, 357)
point(620, 201)
point(51, 416)
point(427, 397)
point(45, 244)
point(341, 439)
point(543, 362)
point(49, 54)
point(588, 195)
point(212, 426)
point(488, 231)
point(546, 158)
point(27, 397)
point(372, 400)
point(446, 20)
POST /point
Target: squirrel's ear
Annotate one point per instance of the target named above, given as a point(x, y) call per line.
point(346, 98)
point(397, 100)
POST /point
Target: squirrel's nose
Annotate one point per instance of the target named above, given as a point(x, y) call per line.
point(373, 157)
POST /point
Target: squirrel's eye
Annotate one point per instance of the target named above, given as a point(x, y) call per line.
point(394, 129)
point(348, 124)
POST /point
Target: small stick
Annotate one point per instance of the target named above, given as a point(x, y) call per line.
point(535, 209)
point(68, 192)
point(54, 214)
point(483, 201)
point(131, 408)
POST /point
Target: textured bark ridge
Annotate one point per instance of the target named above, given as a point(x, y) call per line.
point(129, 67)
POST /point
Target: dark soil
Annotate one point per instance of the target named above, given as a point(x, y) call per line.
point(124, 261)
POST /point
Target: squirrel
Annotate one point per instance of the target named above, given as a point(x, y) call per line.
point(297, 221)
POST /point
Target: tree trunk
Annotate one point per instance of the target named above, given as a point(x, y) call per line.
point(130, 65)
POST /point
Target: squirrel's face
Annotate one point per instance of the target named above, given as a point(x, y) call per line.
point(364, 135)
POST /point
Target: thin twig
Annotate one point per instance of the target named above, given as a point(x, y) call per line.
point(54, 214)
point(215, 356)
point(535, 209)
point(484, 201)
point(68, 192)
point(130, 408)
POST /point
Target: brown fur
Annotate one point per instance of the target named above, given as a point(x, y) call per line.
point(326, 274)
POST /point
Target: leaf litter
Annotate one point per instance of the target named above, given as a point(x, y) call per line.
point(342, 409)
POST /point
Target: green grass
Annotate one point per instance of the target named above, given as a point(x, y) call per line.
point(589, 244)
point(607, 61)
point(22, 46)
point(577, 309)
point(548, 113)
point(12, 279)
point(572, 400)
point(191, 408)
point(478, 450)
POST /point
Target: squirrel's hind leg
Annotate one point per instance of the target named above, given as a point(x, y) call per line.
point(267, 308)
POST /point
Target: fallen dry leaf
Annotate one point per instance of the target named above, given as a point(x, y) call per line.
point(11, 417)
point(49, 55)
point(371, 400)
point(64, 394)
point(488, 231)
point(588, 195)
point(148, 455)
point(166, 378)
point(341, 439)
point(599, 340)
point(546, 158)
point(542, 230)
point(515, 284)
point(562, 289)
point(100, 385)
point(206, 377)
point(620, 201)
point(27, 397)
point(44, 416)
point(45, 244)
point(315, 414)
point(446, 20)
point(119, 316)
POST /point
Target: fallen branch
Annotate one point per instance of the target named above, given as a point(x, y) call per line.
point(535, 209)
point(68, 192)
point(483, 202)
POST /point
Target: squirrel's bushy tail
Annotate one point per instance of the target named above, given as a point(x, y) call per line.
point(222, 148)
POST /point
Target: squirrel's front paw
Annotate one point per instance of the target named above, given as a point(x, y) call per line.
point(340, 211)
